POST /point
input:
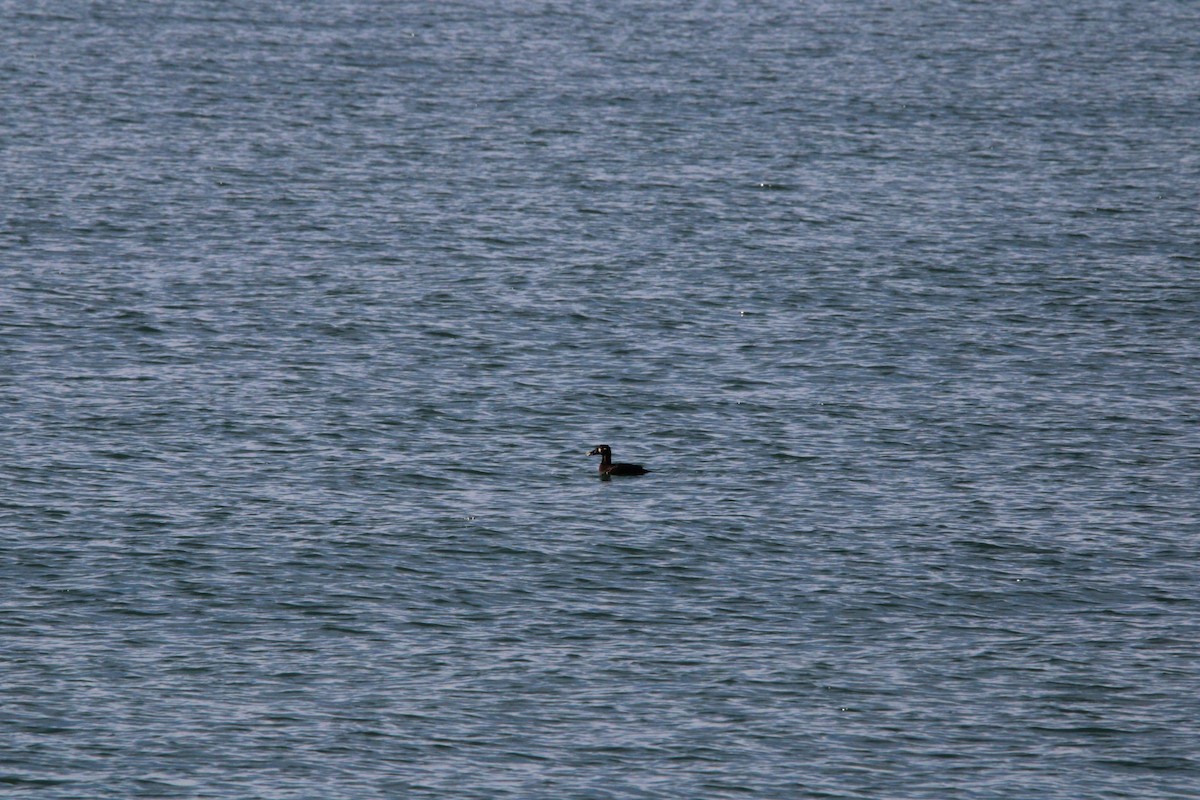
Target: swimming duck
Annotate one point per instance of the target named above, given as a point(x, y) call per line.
point(607, 467)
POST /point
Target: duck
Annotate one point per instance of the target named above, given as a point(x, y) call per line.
point(607, 467)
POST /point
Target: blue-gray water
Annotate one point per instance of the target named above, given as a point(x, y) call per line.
point(310, 312)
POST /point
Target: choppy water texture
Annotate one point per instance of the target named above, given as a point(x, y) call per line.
point(311, 310)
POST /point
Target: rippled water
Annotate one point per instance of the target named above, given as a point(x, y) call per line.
point(310, 312)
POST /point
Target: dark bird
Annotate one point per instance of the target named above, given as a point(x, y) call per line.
point(607, 467)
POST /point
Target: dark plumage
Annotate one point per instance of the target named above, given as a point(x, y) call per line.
point(607, 467)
